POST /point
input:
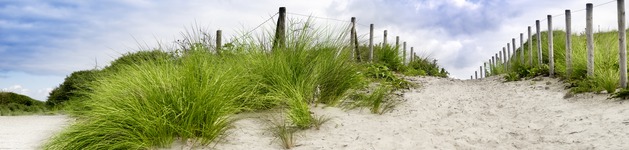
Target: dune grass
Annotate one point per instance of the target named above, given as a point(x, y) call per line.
point(13, 104)
point(606, 75)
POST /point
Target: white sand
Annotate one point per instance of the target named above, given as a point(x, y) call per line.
point(443, 114)
point(28, 132)
point(470, 114)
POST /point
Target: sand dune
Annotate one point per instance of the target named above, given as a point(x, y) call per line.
point(442, 114)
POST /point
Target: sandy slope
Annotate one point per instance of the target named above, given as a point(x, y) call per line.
point(470, 114)
point(443, 114)
point(28, 132)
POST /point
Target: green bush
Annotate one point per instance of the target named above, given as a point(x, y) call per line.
point(17, 104)
point(77, 85)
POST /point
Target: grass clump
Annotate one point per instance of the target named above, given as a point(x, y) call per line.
point(378, 101)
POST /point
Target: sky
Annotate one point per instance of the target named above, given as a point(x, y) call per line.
point(43, 41)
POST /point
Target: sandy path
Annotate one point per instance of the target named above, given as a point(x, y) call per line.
point(455, 114)
point(28, 132)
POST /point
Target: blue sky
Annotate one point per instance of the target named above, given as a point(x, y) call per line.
point(43, 41)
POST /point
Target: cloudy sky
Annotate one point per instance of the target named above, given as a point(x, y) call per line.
point(43, 41)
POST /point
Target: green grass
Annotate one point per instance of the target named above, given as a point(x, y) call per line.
point(147, 100)
point(13, 104)
point(605, 78)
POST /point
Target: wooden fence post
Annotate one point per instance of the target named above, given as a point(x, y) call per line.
point(530, 48)
point(522, 49)
point(493, 61)
point(384, 40)
point(219, 44)
point(487, 70)
point(481, 71)
point(568, 43)
point(411, 57)
point(515, 54)
point(504, 57)
point(589, 34)
point(397, 41)
point(471, 77)
point(551, 59)
point(475, 74)
point(371, 42)
point(539, 43)
point(509, 58)
point(351, 38)
point(280, 30)
point(622, 43)
point(404, 53)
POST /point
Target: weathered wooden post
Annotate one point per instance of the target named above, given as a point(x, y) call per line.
point(481, 71)
point(384, 40)
point(471, 77)
point(509, 58)
point(280, 30)
point(622, 43)
point(514, 57)
point(404, 53)
point(219, 44)
point(412, 53)
point(589, 35)
point(397, 41)
point(522, 60)
point(504, 57)
point(493, 61)
point(551, 58)
point(475, 74)
point(539, 43)
point(568, 43)
point(530, 48)
point(371, 42)
point(351, 38)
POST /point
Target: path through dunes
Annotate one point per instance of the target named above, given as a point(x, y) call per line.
point(465, 114)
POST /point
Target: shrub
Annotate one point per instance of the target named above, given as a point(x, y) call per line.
point(75, 86)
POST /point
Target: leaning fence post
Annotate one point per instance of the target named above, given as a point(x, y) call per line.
point(371, 42)
point(568, 43)
point(551, 58)
point(351, 38)
point(589, 34)
point(219, 44)
point(622, 43)
point(539, 43)
point(280, 30)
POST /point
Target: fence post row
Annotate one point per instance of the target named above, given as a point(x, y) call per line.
point(551, 59)
point(622, 43)
point(219, 45)
point(280, 31)
point(568, 43)
point(589, 34)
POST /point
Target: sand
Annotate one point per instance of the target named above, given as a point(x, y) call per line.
point(28, 132)
point(464, 114)
point(442, 114)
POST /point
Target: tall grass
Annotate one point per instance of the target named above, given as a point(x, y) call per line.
point(192, 96)
point(605, 76)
